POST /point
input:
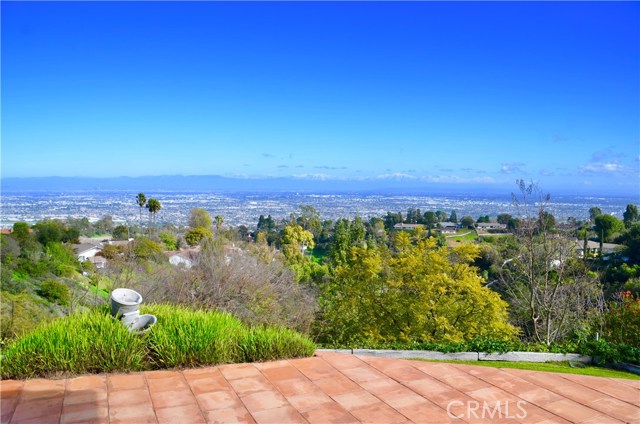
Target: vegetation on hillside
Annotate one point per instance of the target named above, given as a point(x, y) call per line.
point(349, 282)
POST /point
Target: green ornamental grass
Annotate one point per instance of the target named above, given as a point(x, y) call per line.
point(93, 342)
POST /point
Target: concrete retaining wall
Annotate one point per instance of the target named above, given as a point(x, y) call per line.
point(466, 356)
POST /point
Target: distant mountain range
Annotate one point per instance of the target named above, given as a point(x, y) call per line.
point(215, 183)
point(391, 185)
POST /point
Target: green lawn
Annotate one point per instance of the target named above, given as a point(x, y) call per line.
point(548, 367)
point(462, 236)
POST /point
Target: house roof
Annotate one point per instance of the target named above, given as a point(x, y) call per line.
point(84, 247)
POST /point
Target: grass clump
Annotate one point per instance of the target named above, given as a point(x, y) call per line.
point(93, 342)
point(80, 343)
point(184, 337)
point(268, 343)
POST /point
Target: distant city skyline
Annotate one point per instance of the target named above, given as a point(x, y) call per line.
point(467, 93)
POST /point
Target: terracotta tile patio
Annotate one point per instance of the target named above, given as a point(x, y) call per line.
point(328, 388)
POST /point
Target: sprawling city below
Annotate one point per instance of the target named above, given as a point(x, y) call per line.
point(245, 208)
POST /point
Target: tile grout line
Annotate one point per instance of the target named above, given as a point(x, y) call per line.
point(536, 404)
point(146, 382)
point(310, 381)
point(17, 402)
point(278, 390)
point(193, 394)
point(539, 405)
point(580, 403)
point(409, 388)
point(596, 389)
point(236, 393)
point(331, 397)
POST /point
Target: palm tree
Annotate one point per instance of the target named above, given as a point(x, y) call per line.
point(142, 200)
point(154, 206)
point(219, 220)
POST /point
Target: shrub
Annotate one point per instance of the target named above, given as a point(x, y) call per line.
point(79, 343)
point(93, 342)
point(55, 291)
point(622, 321)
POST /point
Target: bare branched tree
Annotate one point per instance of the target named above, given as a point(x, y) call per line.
point(552, 294)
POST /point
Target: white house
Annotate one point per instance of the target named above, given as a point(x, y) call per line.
point(86, 251)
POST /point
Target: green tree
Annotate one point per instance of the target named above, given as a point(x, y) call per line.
point(607, 225)
point(422, 293)
point(467, 221)
point(195, 235)
point(294, 240)
point(169, 239)
point(141, 200)
point(120, 232)
point(154, 207)
point(21, 232)
point(453, 217)
point(143, 248)
point(219, 221)
point(504, 218)
point(199, 217)
point(594, 212)
point(429, 220)
point(630, 215)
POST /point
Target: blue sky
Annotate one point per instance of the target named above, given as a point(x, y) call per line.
point(465, 93)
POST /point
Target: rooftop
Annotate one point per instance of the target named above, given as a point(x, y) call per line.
point(330, 387)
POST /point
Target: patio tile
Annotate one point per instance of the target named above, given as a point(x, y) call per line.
point(126, 382)
point(282, 415)
point(249, 385)
point(309, 401)
point(403, 373)
point(180, 414)
point(295, 386)
point(263, 400)
point(229, 416)
point(151, 375)
point(378, 413)
point(235, 371)
point(426, 412)
point(43, 389)
point(38, 408)
point(200, 373)
point(381, 386)
point(172, 398)
point(85, 412)
point(85, 396)
point(342, 362)
point(285, 372)
point(141, 413)
point(223, 399)
point(129, 397)
point(314, 368)
point(330, 413)
point(336, 384)
point(402, 398)
point(617, 409)
point(209, 384)
point(362, 373)
point(570, 410)
point(86, 382)
point(171, 383)
point(354, 400)
point(10, 388)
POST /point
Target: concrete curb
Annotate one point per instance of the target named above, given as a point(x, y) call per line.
point(466, 356)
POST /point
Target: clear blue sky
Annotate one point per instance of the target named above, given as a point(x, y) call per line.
point(440, 92)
